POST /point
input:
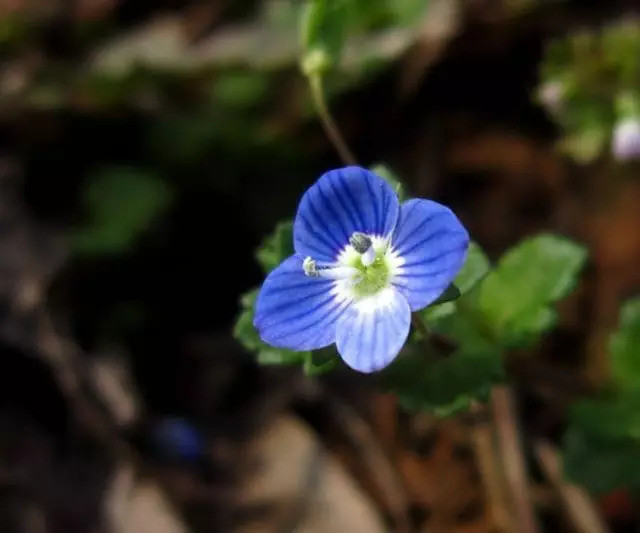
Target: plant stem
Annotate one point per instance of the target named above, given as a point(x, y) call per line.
point(329, 125)
point(433, 341)
point(419, 324)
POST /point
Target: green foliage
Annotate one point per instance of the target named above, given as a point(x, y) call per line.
point(447, 385)
point(239, 89)
point(323, 30)
point(443, 385)
point(246, 333)
point(624, 348)
point(516, 297)
point(609, 416)
point(450, 294)
point(276, 247)
point(122, 203)
point(325, 26)
point(474, 270)
point(589, 80)
point(391, 178)
point(601, 464)
point(602, 444)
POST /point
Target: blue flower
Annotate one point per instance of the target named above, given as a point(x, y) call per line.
point(363, 262)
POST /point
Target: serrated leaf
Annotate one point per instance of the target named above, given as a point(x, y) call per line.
point(391, 178)
point(624, 347)
point(601, 465)
point(121, 203)
point(516, 297)
point(276, 247)
point(248, 336)
point(443, 386)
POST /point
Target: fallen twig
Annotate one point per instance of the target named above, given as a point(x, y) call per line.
point(488, 464)
point(373, 456)
point(577, 505)
point(513, 459)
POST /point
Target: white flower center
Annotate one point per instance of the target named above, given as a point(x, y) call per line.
point(365, 267)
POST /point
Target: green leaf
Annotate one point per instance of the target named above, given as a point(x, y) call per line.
point(248, 336)
point(323, 29)
point(241, 90)
point(624, 347)
point(463, 323)
point(450, 294)
point(600, 464)
point(516, 297)
point(122, 203)
point(320, 362)
point(443, 386)
point(474, 270)
point(391, 178)
point(616, 417)
point(276, 247)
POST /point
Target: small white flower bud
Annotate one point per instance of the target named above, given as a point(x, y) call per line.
point(625, 144)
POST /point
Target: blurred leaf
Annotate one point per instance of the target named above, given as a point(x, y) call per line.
point(624, 347)
point(464, 324)
point(608, 417)
point(586, 144)
point(248, 336)
point(474, 270)
point(240, 89)
point(443, 386)
point(407, 12)
point(515, 297)
point(323, 29)
point(391, 178)
point(276, 247)
point(601, 465)
point(122, 203)
point(450, 294)
point(321, 361)
point(602, 446)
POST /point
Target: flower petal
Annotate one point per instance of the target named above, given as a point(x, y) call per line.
point(295, 311)
point(432, 244)
point(372, 331)
point(341, 202)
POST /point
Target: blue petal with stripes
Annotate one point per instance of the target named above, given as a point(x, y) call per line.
point(340, 203)
point(362, 264)
point(297, 312)
point(433, 244)
point(371, 333)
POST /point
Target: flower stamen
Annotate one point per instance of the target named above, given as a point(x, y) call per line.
point(327, 270)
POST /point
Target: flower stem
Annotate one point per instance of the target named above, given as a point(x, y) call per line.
point(419, 324)
point(442, 345)
point(329, 125)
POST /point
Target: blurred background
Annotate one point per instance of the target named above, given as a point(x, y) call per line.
point(148, 147)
